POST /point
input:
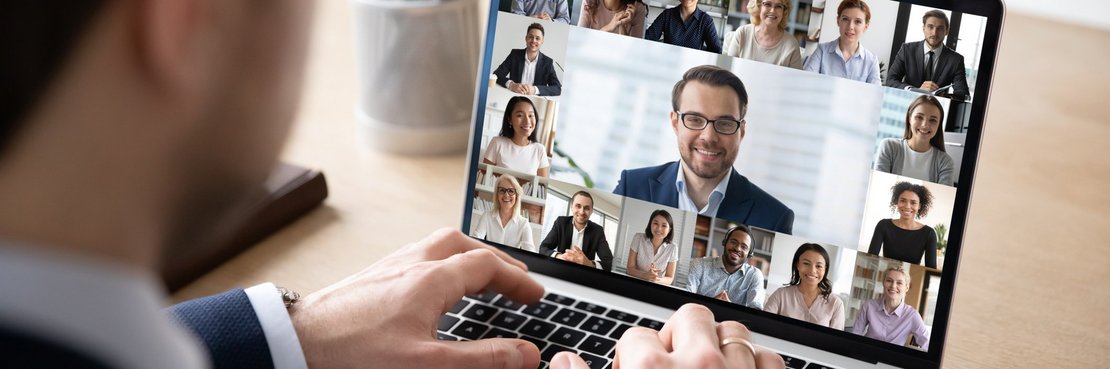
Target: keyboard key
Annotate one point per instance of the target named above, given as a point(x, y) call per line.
point(793, 362)
point(537, 328)
point(650, 323)
point(508, 304)
point(480, 313)
point(569, 317)
point(470, 330)
point(459, 306)
point(559, 299)
point(446, 322)
point(510, 321)
point(598, 325)
point(817, 366)
point(595, 362)
point(622, 316)
point(597, 345)
point(499, 333)
point(445, 337)
point(591, 308)
point(567, 336)
point(550, 352)
point(540, 344)
point(485, 296)
point(540, 309)
point(617, 333)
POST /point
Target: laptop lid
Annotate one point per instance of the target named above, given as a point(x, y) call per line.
point(674, 155)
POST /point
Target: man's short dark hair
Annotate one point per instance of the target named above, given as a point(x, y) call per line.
point(583, 194)
point(535, 26)
point(714, 76)
point(939, 15)
point(37, 38)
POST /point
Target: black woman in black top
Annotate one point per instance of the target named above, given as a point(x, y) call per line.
point(905, 238)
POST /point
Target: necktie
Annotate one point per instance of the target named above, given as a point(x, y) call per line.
point(929, 66)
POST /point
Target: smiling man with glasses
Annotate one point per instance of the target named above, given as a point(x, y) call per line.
point(709, 105)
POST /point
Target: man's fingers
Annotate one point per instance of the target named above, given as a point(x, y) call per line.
point(767, 359)
point(491, 353)
point(691, 328)
point(471, 272)
point(568, 360)
point(445, 242)
point(738, 349)
point(640, 347)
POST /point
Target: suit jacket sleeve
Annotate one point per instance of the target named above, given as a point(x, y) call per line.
point(604, 253)
point(897, 70)
point(786, 222)
point(960, 91)
point(551, 242)
point(619, 190)
point(502, 72)
point(550, 85)
point(227, 325)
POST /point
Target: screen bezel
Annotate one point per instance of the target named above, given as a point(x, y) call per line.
point(836, 341)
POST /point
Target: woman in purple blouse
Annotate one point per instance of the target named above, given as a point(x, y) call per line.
point(889, 319)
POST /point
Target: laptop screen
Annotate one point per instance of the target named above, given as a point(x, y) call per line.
point(802, 161)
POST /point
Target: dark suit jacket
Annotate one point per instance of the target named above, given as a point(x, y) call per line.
point(744, 202)
point(512, 69)
point(225, 323)
point(908, 70)
point(594, 244)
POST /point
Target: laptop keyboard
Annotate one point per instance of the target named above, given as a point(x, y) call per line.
point(557, 323)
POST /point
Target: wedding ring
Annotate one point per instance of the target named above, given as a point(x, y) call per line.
point(738, 340)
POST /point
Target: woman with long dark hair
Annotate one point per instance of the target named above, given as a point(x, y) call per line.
point(809, 296)
point(920, 152)
point(653, 255)
point(516, 147)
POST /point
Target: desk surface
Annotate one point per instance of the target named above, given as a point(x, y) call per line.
point(1028, 293)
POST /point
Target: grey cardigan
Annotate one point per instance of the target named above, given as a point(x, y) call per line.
point(889, 159)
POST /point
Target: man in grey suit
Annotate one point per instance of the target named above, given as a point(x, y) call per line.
point(929, 65)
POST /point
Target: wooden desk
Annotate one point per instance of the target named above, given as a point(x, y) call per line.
point(1038, 246)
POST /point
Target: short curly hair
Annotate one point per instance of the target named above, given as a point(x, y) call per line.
point(924, 196)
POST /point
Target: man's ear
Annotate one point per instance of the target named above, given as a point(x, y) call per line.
point(167, 41)
point(675, 122)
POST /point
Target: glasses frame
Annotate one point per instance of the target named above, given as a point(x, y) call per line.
point(682, 118)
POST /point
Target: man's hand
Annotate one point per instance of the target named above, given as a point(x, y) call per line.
point(723, 296)
point(544, 16)
point(386, 315)
point(690, 339)
point(929, 86)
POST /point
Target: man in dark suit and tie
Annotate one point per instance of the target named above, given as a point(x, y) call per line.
point(528, 71)
point(928, 64)
point(132, 132)
point(577, 239)
point(709, 105)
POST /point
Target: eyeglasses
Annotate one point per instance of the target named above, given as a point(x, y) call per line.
point(724, 126)
point(506, 191)
point(776, 6)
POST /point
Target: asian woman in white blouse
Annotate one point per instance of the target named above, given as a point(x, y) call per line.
point(653, 256)
point(516, 146)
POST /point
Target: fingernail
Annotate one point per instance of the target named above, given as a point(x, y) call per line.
point(522, 350)
point(560, 362)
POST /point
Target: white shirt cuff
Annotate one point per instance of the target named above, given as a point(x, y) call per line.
point(285, 348)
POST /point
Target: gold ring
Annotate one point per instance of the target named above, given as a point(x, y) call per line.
point(732, 340)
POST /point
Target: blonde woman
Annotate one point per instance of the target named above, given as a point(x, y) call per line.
point(889, 319)
point(504, 224)
point(765, 39)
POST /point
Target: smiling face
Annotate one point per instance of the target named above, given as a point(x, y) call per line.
point(811, 268)
point(533, 40)
point(506, 193)
point(894, 286)
point(581, 207)
point(771, 12)
point(708, 154)
point(924, 122)
point(660, 228)
point(852, 23)
point(736, 249)
point(908, 205)
point(523, 120)
point(935, 30)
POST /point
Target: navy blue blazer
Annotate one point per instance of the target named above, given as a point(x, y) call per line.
point(744, 202)
point(225, 323)
point(512, 69)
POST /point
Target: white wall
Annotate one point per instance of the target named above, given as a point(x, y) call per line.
point(878, 205)
point(1092, 13)
point(884, 16)
point(512, 28)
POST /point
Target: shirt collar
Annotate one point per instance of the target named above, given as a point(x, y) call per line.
point(835, 49)
point(898, 311)
point(744, 267)
point(926, 49)
point(716, 196)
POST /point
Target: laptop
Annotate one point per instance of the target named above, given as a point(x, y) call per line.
point(812, 185)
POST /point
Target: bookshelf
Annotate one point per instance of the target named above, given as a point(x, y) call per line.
point(801, 14)
point(867, 283)
point(532, 200)
point(710, 232)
